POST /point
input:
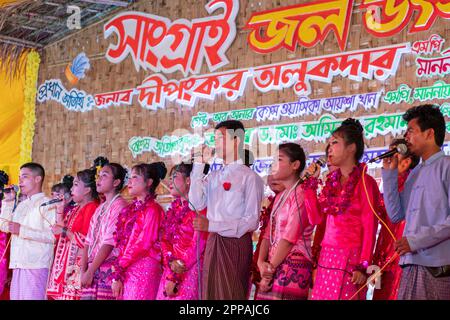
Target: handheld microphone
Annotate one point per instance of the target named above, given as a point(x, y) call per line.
point(321, 162)
point(51, 202)
point(401, 148)
point(13, 187)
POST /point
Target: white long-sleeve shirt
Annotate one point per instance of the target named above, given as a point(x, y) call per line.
point(231, 213)
point(32, 248)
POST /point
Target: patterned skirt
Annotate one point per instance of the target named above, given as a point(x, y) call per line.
point(417, 283)
point(292, 279)
point(334, 275)
point(101, 284)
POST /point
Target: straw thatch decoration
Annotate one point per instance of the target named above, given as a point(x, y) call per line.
point(10, 53)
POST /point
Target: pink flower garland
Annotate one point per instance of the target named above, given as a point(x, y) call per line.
point(335, 199)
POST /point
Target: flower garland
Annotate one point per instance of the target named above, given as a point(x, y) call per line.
point(29, 119)
point(174, 218)
point(124, 228)
point(335, 199)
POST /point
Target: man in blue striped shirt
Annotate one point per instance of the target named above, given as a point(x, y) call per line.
point(424, 248)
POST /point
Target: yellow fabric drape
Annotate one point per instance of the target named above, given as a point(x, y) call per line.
point(11, 119)
point(6, 2)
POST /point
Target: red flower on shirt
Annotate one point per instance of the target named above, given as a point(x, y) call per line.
point(227, 186)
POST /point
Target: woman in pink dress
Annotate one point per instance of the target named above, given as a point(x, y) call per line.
point(3, 236)
point(182, 247)
point(137, 270)
point(285, 260)
point(350, 228)
point(70, 231)
point(98, 254)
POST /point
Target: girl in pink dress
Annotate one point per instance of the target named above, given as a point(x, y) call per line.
point(98, 255)
point(350, 228)
point(285, 260)
point(181, 245)
point(137, 270)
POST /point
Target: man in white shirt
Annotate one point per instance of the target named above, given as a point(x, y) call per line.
point(31, 236)
point(232, 196)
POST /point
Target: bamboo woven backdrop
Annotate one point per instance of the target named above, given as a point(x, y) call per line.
point(66, 142)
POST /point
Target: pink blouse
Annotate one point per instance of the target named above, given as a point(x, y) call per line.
point(356, 227)
point(294, 221)
point(138, 235)
point(102, 227)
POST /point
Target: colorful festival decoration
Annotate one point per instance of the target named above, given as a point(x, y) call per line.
point(155, 43)
point(439, 90)
point(300, 108)
point(73, 100)
point(317, 131)
point(29, 114)
point(436, 66)
point(385, 18)
point(433, 44)
point(374, 63)
point(168, 145)
point(309, 23)
point(303, 24)
point(77, 68)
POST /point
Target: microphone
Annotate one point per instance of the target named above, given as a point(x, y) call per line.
point(401, 148)
point(50, 202)
point(9, 189)
point(321, 162)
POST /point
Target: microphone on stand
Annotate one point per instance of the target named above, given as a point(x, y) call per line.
point(51, 202)
point(401, 148)
point(321, 162)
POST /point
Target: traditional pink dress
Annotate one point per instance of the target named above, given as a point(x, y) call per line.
point(180, 242)
point(138, 265)
point(390, 278)
point(4, 255)
point(294, 221)
point(348, 240)
point(101, 232)
point(4, 261)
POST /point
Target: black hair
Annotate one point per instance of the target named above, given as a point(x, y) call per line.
point(65, 186)
point(236, 129)
point(414, 159)
point(155, 171)
point(428, 116)
point(352, 131)
point(88, 178)
point(184, 168)
point(294, 152)
point(4, 178)
point(100, 162)
point(119, 173)
point(37, 169)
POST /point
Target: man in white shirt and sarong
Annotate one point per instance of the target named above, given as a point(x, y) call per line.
point(232, 196)
point(32, 240)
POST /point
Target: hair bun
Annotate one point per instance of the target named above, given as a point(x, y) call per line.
point(160, 168)
point(4, 178)
point(350, 122)
point(68, 180)
point(100, 162)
